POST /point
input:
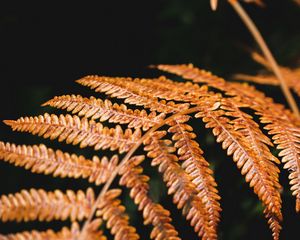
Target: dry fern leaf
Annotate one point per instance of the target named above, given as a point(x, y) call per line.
point(106, 111)
point(262, 175)
point(186, 195)
point(281, 123)
point(41, 159)
point(153, 213)
point(259, 79)
point(125, 88)
point(291, 76)
point(37, 204)
point(169, 90)
point(258, 142)
point(64, 234)
point(74, 130)
point(248, 95)
point(111, 210)
point(196, 166)
point(258, 170)
point(287, 138)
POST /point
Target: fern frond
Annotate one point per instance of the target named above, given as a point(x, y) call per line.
point(170, 90)
point(291, 76)
point(180, 184)
point(153, 213)
point(106, 111)
point(257, 141)
point(111, 210)
point(287, 138)
point(74, 130)
point(259, 79)
point(236, 143)
point(41, 159)
point(197, 75)
point(37, 204)
point(192, 73)
point(262, 175)
point(196, 166)
point(125, 88)
point(65, 233)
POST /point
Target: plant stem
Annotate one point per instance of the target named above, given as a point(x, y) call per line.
point(267, 53)
point(124, 160)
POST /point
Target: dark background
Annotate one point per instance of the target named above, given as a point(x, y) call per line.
point(46, 45)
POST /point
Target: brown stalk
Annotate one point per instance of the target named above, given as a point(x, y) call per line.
point(267, 53)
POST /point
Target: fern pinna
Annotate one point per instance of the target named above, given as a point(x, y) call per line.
point(162, 130)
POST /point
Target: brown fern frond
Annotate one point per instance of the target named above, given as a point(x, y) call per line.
point(196, 166)
point(170, 90)
point(179, 183)
point(281, 122)
point(64, 234)
point(262, 175)
point(291, 76)
point(287, 137)
point(111, 210)
point(258, 142)
point(126, 89)
point(106, 111)
point(259, 79)
point(37, 204)
point(153, 213)
point(255, 99)
point(74, 130)
point(41, 159)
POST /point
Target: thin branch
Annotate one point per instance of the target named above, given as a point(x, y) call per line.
point(267, 53)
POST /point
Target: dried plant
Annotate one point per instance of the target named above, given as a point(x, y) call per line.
point(292, 76)
point(162, 130)
point(155, 117)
